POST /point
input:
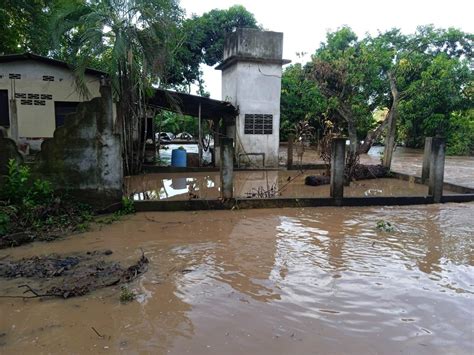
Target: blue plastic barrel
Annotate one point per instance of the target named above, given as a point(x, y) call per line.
point(178, 158)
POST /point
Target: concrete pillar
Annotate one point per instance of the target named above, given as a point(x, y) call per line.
point(289, 161)
point(338, 147)
point(436, 180)
point(107, 123)
point(227, 168)
point(14, 134)
point(425, 169)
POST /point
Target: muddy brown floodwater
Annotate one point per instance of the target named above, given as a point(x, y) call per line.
point(286, 281)
point(206, 185)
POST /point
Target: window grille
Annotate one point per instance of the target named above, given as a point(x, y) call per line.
point(26, 102)
point(14, 76)
point(258, 124)
point(39, 102)
point(48, 78)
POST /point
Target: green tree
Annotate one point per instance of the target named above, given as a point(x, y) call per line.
point(423, 78)
point(300, 100)
point(346, 71)
point(200, 40)
point(25, 25)
point(133, 36)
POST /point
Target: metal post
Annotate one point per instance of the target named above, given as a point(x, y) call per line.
point(425, 169)
point(338, 148)
point(436, 181)
point(291, 139)
point(200, 138)
point(227, 168)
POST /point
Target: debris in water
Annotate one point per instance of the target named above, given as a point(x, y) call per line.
point(70, 275)
point(126, 295)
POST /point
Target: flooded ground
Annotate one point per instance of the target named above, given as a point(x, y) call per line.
point(286, 281)
point(183, 186)
point(458, 170)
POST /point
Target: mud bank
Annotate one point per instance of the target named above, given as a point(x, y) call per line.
point(65, 276)
point(324, 280)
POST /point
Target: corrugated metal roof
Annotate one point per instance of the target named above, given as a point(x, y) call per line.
point(187, 104)
point(59, 63)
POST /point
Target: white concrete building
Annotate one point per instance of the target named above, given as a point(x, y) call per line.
point(36, 93)
point(251, 81)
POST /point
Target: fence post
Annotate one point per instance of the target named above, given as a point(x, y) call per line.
point(289, 160)
point(425, 169)
point(227, 168)
point(338, 148)
point(436, 180)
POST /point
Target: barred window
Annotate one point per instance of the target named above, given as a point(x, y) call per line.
point(48, 78)
point(46, 97)
point(27, 102)
point(39, 102)
point(258, 124)
point(20, 95)
point(14, 76)
point(34, 96)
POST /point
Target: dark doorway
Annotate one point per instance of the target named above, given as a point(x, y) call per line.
point(62, 109)
point(4, 111)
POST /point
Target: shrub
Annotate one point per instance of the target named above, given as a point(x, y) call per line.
point(20, 189)
point(461, 138)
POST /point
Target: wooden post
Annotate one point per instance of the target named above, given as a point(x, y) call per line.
point(338, 150)
point(227, 168)
point(425, 169)
point(289, 159)
point(438, 148)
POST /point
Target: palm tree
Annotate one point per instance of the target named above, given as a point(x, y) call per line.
point(131, 39)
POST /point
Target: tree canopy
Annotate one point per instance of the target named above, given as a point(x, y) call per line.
point(424, 81)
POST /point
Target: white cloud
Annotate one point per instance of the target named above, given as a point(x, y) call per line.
point(305, 22)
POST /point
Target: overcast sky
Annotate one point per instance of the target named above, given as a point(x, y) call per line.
point(305, 22)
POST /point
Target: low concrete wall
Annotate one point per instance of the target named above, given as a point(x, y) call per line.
point(84, 156)
point(446, 185)
point(195, 205)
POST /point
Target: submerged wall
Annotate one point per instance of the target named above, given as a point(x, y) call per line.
point(84, 156)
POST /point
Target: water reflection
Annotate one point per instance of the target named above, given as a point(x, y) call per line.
point(256, 184)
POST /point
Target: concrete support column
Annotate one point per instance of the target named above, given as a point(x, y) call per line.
point(14, 134)
point(338, 148)
point(227, 168)
point(107, 124)
point(425, 169)
point(438, 148)
point(289, 160)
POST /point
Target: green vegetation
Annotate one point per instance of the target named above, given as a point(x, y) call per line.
point(29, 205)
point(126, 295)
point(385, 226)
point(422, 81)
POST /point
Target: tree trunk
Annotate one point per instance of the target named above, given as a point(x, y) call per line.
point(346, 112)
point(373, 135)
point(392, 123)
point(352, 130)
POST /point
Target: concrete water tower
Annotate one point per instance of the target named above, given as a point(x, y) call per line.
point(251, 81)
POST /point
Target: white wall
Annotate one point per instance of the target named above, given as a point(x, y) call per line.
point(39, 121)
point(255, 88)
